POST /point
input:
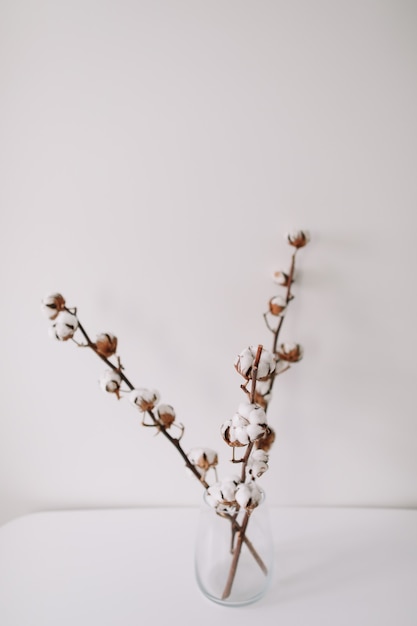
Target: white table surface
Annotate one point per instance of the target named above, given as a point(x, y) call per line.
point(125, 567)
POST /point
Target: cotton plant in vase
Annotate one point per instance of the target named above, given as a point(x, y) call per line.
point(233, 500)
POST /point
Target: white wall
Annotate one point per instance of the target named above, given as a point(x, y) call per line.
point(154, 153)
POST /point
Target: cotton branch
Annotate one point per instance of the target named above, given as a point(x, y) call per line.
point(247, 428)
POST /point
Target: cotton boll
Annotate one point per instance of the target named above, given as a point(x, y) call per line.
point(106, 344)
point(241, 435)
point(244, 409)
point(110, 381)
point(291, 352)
point(258, 416)
point(257, 464)
point(211, 456)
point(223, 491)
point(257, 468)
point(228, 490)
point(277, 305)
point(255, 431)
point(234, 431)
point(166, 414)
point(251, 413)
point(213, 496)
point(226, 509)
point(62, 332)
point(65, 325)
point(260, 456)
point(203, 458)
point(246, 360)
point(298, 238)
point(281, 278)
point(263, 387)
point(52, 304)
point(247, 424)
point(67, 319)
point(144, 399)
point(248, 495)
point(266, 364)
point(265, 443)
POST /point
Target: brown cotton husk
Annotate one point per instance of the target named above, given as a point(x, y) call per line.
point(298, 239)
point(166, 416)
point(233, 444)
point(281, 278)
point(292, 355)
point(265, 443)
point(275, 307)
point(106, 344)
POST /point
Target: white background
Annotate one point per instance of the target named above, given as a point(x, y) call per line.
point(153, 155)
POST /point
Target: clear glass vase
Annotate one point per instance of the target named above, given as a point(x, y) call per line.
point(229, 570)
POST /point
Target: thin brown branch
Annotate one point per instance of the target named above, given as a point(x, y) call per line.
point(236, 554)
point(235, 529)
point(288, 298)
point(254, 373)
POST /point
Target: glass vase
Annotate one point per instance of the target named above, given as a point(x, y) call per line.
point(234, 568)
